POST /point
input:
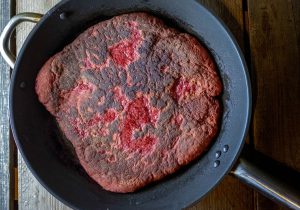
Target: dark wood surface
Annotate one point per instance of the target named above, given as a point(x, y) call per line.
point(275, 55)
point(274, 41)
point(268, 32)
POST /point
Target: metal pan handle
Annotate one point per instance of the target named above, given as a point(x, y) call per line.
point(8, 56)
point(271, 178)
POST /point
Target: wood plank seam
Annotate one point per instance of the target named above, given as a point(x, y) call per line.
point(247, 54)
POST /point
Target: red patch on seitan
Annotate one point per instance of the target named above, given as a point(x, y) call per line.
point(125, 52)
point(109, 116)
point(182, 88)
point(137, 114)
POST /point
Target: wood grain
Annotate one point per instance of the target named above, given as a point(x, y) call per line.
point(230, 194)
point(276, 61)
point(275, 50)
point(31, 194)
point(5, 155)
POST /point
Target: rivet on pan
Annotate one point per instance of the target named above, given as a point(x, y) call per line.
point(63, 16)
point(23, 85)
point(218, 154)
point(225, 148)
point(216, 163)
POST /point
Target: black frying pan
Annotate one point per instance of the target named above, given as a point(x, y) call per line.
point(37, 135)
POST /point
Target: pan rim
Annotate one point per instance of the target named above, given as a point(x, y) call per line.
point(245, 127)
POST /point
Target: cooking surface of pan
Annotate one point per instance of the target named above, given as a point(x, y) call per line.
point(37, 135)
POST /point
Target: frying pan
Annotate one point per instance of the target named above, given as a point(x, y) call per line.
point(37, 135)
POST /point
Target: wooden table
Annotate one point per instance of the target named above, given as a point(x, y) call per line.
point(268, 31)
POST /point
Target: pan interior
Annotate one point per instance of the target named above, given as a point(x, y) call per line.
point(38, 138)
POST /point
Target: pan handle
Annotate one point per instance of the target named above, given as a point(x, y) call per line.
point(271, 178)
point(8, 56)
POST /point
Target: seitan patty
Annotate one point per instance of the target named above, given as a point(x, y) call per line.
point(136, 98)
